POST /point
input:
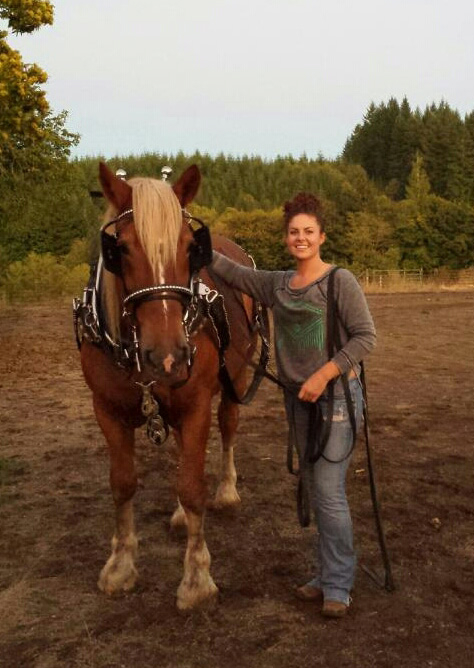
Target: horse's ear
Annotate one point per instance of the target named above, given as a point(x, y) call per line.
point(116, 190)
point(187, 185)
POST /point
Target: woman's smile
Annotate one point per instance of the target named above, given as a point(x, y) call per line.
point(304, 236)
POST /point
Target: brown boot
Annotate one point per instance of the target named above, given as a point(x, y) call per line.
point(309, 593)
point(334, 609)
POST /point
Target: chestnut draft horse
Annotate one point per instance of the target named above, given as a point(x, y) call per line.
point(161, 350)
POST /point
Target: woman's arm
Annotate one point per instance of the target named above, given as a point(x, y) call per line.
point(355, 319)
point(256, 283)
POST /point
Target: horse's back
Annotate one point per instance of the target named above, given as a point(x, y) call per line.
point(240, 308)
point(231, 250)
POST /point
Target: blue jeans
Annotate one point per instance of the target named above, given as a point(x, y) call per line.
point(325, 481)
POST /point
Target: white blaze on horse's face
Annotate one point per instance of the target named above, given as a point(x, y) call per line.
point(163, 345)
point(164, 348)
point(161, 279)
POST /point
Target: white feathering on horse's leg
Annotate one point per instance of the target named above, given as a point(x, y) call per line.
point(227, 494)
point(178, 519)
point(197, 586)
point(119, 573)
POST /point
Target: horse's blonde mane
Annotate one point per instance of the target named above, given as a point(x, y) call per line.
point(157, 217)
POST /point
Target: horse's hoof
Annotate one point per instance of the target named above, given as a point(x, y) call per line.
point(226, 497)
point(114, 579)
point(193, 599)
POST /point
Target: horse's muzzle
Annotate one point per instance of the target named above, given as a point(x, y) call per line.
point(167, 365)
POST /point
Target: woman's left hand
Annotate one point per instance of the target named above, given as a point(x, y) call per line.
point(313, 388)
point(315, 385)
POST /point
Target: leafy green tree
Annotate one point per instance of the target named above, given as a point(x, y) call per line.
point(25, 16)
point(413, 233)
point(45, 213)
point(452, 226)
point(40, 204)
point(418, 186)
point(30, 135)
point(260, 233)
point(432, 231)
point(371, 242)
point(42, 276)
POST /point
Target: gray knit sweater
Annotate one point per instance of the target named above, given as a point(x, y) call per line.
point(299, 317)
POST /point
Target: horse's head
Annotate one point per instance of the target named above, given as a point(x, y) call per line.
point(147, 248)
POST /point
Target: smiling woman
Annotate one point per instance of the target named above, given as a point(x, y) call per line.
point(305, 225)
point(323, 394)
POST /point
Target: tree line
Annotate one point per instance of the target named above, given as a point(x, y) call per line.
point(401, 195)
point(391, 135)
point(242, 198)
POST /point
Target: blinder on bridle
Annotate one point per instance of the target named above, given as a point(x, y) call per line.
point(111, 253)
point(200, 251)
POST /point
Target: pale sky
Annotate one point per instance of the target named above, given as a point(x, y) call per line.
point(255, 77)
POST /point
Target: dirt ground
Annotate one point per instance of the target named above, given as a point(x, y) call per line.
point(56, 516)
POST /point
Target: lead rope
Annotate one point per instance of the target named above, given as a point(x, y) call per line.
point(389, 583)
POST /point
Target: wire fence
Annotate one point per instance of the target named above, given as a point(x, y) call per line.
point(393, 280)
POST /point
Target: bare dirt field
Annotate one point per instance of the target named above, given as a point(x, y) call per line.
point(56, 516)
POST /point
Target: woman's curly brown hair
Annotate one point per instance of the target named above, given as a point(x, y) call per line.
point(303, 203)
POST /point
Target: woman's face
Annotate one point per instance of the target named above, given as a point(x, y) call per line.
point(304, 237)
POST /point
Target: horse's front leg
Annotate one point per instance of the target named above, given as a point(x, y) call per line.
point(227, 495)
point(119, 573)
point(197, 586)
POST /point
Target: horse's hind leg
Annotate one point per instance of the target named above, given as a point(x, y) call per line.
point(119, 573)
point(226, 494)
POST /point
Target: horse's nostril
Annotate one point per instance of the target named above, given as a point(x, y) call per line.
point(148, 356)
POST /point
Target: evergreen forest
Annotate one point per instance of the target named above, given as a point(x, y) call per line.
point(389, 203)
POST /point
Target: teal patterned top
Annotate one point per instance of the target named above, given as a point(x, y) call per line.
point(300, 316)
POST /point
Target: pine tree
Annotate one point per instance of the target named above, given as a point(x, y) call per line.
point(404, 142)
point(443, 146)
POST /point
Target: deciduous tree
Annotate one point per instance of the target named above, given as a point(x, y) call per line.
point(30, 134)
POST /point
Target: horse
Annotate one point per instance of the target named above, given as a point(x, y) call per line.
point(159, 361)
